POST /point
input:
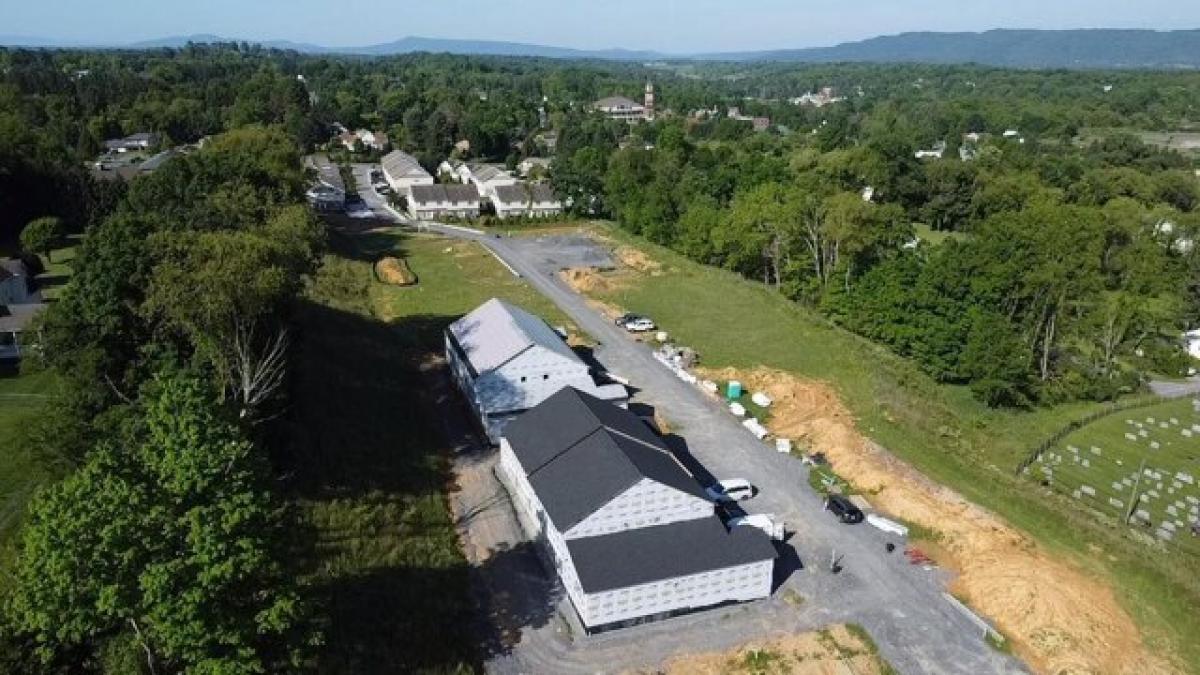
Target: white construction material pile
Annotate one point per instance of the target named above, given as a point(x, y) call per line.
point(760, 432)
point(760, 399)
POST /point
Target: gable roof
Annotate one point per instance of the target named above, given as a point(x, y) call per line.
point(397, 163)
point(16, 318)
point(525, 193)
point(12, 267)
point(486, 172)
point(496, 332)
point(445, 192)
point(647, 554)
point(580, 453)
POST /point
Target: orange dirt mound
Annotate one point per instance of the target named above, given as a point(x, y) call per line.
point(395, 271)
point(1061, 620)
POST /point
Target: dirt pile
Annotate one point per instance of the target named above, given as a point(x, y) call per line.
point(587, 280)
point(834, 651)
point(395, 271)
point(637, 260)
point(1060, 619)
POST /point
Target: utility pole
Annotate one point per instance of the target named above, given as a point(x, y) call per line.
point(1133, 498)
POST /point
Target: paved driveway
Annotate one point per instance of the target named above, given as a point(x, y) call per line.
point(901, 605)
point(374, 201)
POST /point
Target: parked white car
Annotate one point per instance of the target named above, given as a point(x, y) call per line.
point(732, 490)
point(639, 324)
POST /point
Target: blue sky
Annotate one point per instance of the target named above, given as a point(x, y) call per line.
point(668, 25)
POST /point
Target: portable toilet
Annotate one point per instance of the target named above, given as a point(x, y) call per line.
point(734, 390)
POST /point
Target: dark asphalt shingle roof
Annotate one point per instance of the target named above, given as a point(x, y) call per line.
point(649, 554)
point(451, 193)
point(580, 453)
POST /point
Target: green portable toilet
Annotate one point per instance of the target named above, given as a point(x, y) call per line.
point(734, 390)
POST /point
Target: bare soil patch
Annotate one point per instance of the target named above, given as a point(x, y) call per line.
point(637, 260)
point(395, 271)
point(1060, 619)
point(834, 651)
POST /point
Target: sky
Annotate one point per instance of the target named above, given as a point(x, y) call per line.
point(678, 26)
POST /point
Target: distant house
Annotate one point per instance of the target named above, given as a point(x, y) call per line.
point(630, 532)
point(1192, 339)
point(505, 361)
point(818, 99)
point(20, 302)
point(429, 202)
point(124, 169)
point(759, 124)
point(403, 171)
point(533, 164)
point(531, 200)
point(936, 152)
point(620, 108)
point(485, 177)
point(132, 143)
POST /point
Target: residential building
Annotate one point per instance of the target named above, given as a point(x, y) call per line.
point(620, 108)
point(132, 143)
point(628, 530)
point(402, 171)
point(429, 202)
point(532, 200)
point(936, 152)
point(819, 99)
point(531, 165)
point(758, 123)
point(374, 140)
point(20, 302)
point(485, 177)
point(506, 361)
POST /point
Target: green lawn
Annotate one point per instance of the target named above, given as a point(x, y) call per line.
point(942, 430)
point(1099, 465)
point(370, 467)
point(935, 237)
point(21, 399)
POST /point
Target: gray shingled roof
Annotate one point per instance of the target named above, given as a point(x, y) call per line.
point(397, 163)
point(496, 332)
point(524, 193)
point(649, 554)
point(580, 453)
point(447, 192)
point(16, 318)
point(486, 172)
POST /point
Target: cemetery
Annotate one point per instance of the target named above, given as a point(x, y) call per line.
point(1141, 466)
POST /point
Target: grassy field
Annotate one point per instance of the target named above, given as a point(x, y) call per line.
point(935, 237)
point(942, 430)
point(1099, 465)
point(370, 467)
point(1186, 142)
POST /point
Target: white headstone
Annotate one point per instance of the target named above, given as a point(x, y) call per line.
point(1085, 463)
point(1113, 501)
point(1131, 437)
point(1088, 490)
point(1171, 510)
point(1118, 486)
point(1154, 445)
point(1095, 450)
point(1143, 433)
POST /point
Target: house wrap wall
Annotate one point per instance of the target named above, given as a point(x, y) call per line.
point(646, 504)
point(537, 526)
point(741, 583)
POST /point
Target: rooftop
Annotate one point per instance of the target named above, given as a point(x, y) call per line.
point(16, 318)
point(616, 103)
point(445, 193)
point(524, 193)
point(649, 554)
point(398, 163)
point(581, 452)
point(496, 332)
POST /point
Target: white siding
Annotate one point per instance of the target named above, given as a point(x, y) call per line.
point(646, 504)
point(734, 584)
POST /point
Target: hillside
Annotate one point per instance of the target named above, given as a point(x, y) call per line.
point(1099, 48)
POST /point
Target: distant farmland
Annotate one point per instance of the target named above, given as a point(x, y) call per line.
point(1100, 465)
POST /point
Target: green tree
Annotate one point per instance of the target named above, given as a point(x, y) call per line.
point(167, 534)
point(41, 235)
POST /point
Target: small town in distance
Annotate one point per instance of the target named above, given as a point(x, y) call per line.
point(785, 340)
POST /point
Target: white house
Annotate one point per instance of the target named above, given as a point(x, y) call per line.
point(629, 531)
point(532, 164)
point(506, 361)
point(1192, 338)
point(429, 202)
point(620, 108)
point(485, 177)
point(402, 171)
point(133, 142)
point(20, 302)
point(534, 200)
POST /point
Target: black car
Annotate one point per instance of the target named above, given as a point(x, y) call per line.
point(844, 509)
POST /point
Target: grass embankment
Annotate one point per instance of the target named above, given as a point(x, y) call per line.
point(371, 470)
point(941, 430)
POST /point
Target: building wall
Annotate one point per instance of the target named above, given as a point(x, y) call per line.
point(734, 584)
point(646, 504)
point(742, 583)
point(404, 182)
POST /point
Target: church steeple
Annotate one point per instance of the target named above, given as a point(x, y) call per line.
point(649, 103)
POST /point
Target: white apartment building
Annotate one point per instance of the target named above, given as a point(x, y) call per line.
point(630, 532)
point(402, 171)
point(535, 200)
point(485, 177)
point(429, 202)
point(506, 361)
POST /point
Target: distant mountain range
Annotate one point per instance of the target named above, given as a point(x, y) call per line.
point(1099, 48)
